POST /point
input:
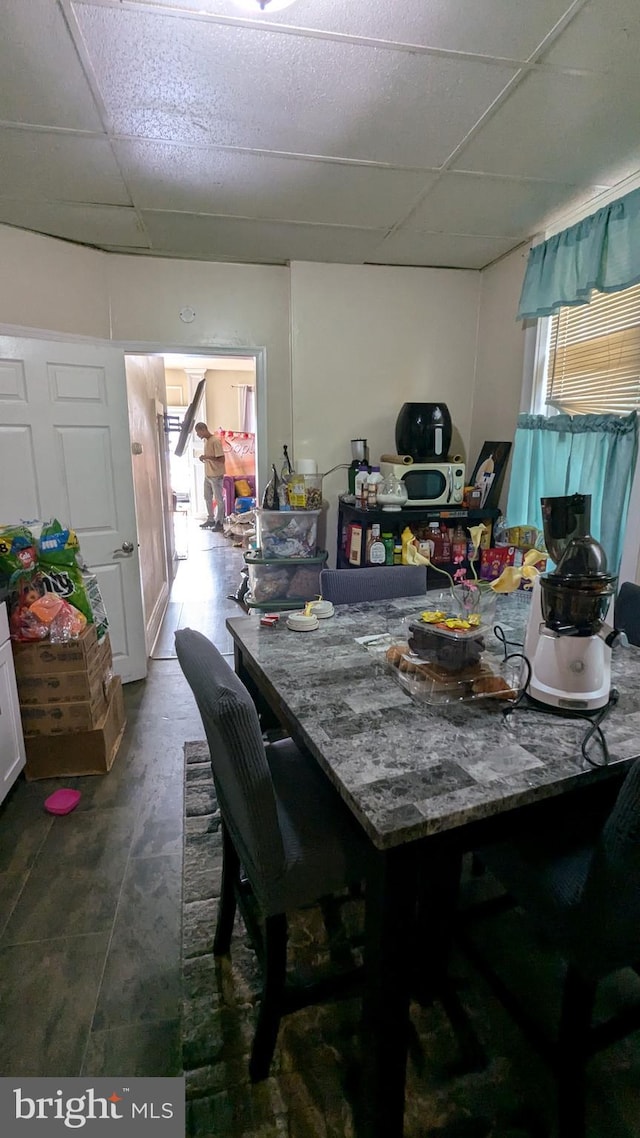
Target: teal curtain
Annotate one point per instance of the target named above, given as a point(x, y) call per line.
point(581, 454)
point(601, 252)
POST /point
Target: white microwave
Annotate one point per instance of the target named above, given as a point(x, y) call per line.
point(429, 483)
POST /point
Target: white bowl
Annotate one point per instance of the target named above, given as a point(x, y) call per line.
point(322, 609)
point(298, 622)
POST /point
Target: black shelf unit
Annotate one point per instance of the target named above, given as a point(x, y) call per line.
point(398, 519)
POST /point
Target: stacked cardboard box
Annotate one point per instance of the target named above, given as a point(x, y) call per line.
point(71, 706)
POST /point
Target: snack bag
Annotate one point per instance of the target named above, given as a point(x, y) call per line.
point(17, 552)
point(57, 546)
point(58, 551)
point(98, 611)
point(25, 589)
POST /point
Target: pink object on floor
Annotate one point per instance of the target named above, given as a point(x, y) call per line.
point(62, 801)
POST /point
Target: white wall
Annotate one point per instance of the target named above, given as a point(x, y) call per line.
point(236, 306)
point(52, 285)
point(358, 340)
point(367, 339)
point(500, 356)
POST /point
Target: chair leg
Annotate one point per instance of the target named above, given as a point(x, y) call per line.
point(227, 906)
point(274, 974)
point(577, 1007)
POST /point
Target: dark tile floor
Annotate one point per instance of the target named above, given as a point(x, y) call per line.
point(90, 903)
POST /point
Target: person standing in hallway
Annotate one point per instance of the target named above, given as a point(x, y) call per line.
point(214, 466)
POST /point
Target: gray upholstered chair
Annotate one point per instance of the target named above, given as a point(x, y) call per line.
point(583, 895)
point(627, 611)
point(282, 824)
point(378, 583)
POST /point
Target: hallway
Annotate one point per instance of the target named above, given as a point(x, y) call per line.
point(90, 903)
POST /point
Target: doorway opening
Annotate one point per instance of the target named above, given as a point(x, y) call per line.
point(169, 487)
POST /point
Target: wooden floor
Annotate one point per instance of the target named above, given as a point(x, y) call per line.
point(200, 591)
point(90, 904)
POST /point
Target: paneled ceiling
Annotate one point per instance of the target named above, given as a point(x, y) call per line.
point(397, 132)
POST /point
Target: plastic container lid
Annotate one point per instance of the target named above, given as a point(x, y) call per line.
point(62, 801)
point(464, 634)
point(322, 609)
point(299, 622)
point(254, 557)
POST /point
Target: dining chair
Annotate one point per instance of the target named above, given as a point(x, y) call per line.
point(288, 840)
point(378, 583)
point(582, 893)
point(627, 611)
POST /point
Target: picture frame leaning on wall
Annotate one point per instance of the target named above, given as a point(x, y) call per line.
point(489, 471)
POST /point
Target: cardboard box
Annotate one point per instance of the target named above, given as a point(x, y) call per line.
point(354, 544)
point(71, 715)
point(43, 656)
point(84, 752)
point(494, 560)
point(66, 687)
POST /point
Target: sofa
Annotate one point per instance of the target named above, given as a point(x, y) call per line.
point(229, 490)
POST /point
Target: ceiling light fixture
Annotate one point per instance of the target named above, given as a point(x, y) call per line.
point(265, 6)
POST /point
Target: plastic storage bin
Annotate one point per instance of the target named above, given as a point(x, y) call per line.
point(452, 650)
point(287, 533)
point(290, 583)
point(426, 682)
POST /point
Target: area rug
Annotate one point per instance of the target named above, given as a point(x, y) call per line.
point(313, 1088)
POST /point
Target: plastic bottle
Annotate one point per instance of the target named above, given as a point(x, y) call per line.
point(459, 544)
point(445, 546)
point(388, 542)
point(361, 488)
point(373, 482)
point(375, 548)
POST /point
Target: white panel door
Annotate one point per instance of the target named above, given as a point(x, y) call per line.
point(65, 453)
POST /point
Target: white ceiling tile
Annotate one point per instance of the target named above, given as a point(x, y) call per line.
point(67, 167)
point(182, 80)
point(498, 207)
point(88, 224)
point(42, 81)
point(195, 179)
point(566, 128)
point(510, 28)
point(604, 35)
point(212, 238)
point(439, 250)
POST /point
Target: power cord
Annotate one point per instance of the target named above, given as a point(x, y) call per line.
point(594, 732)
point(499, 633)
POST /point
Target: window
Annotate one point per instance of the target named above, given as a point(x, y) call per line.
point(593, 357)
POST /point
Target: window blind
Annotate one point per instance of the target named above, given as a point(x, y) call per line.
point(593, 366)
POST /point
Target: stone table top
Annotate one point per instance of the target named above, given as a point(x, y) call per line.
point(407, 769)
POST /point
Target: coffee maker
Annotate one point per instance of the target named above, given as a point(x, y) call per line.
point(359, 460)
point(568, 640)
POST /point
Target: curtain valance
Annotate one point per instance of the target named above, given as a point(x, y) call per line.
point(600, 252)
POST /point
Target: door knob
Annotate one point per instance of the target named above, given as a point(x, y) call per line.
point(126, 547)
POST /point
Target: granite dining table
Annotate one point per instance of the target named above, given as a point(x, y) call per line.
point(425, 782)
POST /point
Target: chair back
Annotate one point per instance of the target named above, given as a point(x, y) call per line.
point(627, 611)
point(609, 921)
point(240, 770)
point(378, 583)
